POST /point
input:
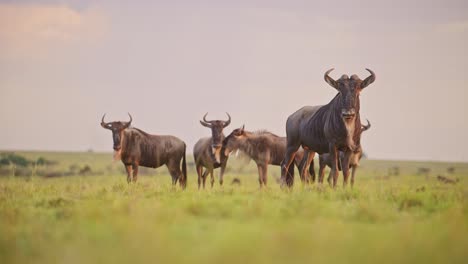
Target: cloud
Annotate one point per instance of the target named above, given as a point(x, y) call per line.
point(29, 29)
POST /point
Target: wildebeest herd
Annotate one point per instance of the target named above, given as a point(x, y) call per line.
point(332, 130)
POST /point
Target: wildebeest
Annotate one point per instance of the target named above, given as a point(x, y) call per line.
point(424, 171)
point(135, 147)
point(262, 146)
point(325, 159)
point(328, 128)
point(447, 180)
point(207, 151)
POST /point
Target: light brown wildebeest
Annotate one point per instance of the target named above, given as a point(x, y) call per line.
point(262, 146)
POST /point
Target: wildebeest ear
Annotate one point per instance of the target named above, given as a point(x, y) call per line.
point(330, 80)
point(368, 80)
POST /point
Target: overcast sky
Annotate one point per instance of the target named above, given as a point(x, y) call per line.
point(63, 64)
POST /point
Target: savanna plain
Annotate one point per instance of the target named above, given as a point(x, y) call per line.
point(78, 208)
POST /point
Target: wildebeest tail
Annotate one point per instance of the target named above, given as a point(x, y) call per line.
point(184, 169)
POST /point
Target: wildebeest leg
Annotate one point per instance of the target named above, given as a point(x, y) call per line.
point(265, 174)
point(353, 171)
point(312, 170)
point(260, 174)
point(212, 178)
point(199, 173)
point(310, 158)
point(221, 174)
point(128, 168)
point(174, 170)
point(205, 174)
point(334, 155)
point(321, 171)
point(135, 172)
point(345, 166)
point(301, 166)
point(330, 178)
point(288, 159)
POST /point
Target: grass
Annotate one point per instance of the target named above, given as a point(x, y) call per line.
point(95, 219)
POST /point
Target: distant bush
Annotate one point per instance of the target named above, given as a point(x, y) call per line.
point(12, 158)
point(43, 161)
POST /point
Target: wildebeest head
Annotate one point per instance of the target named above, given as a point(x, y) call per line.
point(349, 88)
point(233, 140)
point(217, 136)
point(117, 128)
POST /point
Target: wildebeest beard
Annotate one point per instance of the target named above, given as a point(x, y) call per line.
point(117, 155)
point(350, 134)
point(215, 154)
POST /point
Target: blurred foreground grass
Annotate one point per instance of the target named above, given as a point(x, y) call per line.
point(407, 218)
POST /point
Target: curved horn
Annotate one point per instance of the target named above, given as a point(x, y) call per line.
point(204, 118)
point(103, 123)
point(205, 122)
point(330, 80)
point(368, 80)
point(364, 127)
point(226, 123)
point(129, 122)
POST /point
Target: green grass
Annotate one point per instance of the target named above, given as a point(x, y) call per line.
point(96, 219)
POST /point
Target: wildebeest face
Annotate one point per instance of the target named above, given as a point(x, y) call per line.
point(349, 88)
point(217, 136)
point(117, 128)
point(232, 141)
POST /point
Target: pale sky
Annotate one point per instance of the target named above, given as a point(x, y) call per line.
point(63, 64)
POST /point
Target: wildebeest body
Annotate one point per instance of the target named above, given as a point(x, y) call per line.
point(262, 146)
point(135, 148)
point(145, 149)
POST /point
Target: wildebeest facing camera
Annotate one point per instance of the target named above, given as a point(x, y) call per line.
point(208, 151)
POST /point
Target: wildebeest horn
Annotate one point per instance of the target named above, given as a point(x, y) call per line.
point(205, 122)
point(103, 123)
point(226, 123)
point(364, 127)
point(129, 122)
point(368, 80)
point(330, 80)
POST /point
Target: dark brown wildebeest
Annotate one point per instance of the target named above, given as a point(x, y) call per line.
point(328, 128)
point(135, 147)
point(207, 151)
point(356, 155)
point(262, 146)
